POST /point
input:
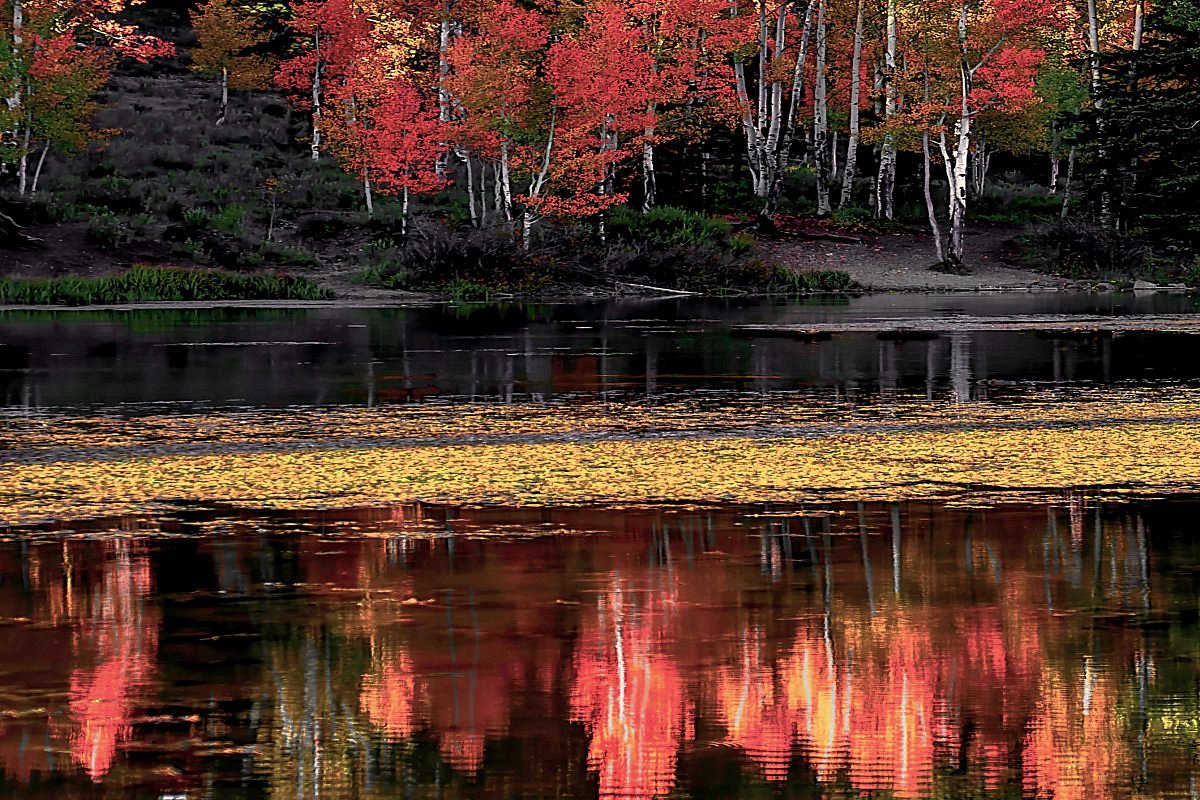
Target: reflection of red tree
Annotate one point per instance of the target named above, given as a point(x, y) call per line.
point(389, 696)
point(756, 711)
point(1075, 747)
point(630, 696)
point(122, 636)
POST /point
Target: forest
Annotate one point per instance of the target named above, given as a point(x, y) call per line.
point(474, 146)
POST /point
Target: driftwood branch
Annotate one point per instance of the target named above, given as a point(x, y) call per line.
point(662, 289)
point(12, 235)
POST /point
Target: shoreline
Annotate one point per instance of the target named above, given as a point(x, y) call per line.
point(414, 301)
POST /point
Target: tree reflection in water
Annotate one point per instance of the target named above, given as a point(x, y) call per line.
point(429, 652)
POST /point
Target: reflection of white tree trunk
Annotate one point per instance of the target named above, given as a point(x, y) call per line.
point(960, 366)
point(896, 549)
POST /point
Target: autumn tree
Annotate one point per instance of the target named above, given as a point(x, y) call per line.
point(229, 37)
point(982, 56)
point(56, 54)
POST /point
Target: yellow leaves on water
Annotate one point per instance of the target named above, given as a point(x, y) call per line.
point(1149, 445)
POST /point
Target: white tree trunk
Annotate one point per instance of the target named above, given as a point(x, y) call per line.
point(935, 229)
point(957, 166)
point(318, 67)
point(404, 212)
point(1106, 215)
point(1054, 167)
point(18, 27)
point(23, 160)
point(37, 172)
point(885, 184)
point(1066, 206)
point(821, 118)
point(483, 203)
point(851, 167)
point(224, 95)
point(466, 157)
point(784, 150)
point(649, 179)
point(441, 167)
point(368, 195)
point(505, 185)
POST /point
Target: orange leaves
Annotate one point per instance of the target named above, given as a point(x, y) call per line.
point(226, 33)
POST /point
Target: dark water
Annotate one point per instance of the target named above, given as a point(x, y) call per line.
point(322, 357)
point(985, 646)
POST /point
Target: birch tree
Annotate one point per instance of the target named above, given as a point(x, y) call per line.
point(851, 166)
point(885, 183)
point(768, 115)
point(990, 62)
point(821, 146)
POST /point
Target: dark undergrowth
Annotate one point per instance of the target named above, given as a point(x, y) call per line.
point(147, 284)
point(1081, 250)
point(666, 249)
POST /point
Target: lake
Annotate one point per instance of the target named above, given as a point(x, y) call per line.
point(600, 550)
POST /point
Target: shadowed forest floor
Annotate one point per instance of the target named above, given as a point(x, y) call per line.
point(174, 189)
point(900, 262)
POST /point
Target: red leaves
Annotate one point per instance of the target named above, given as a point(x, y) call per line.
point(1006, 80)
point(402, 137)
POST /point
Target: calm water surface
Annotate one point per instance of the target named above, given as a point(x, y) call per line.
point(227, 630)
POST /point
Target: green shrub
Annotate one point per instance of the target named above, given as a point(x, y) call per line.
point(790, 281)
point(1014, 205)
point(1081, 250)
point(461, 289)
point(668, 227)
point(107, 232)
point(144, 284)
point(197, 218)
point(229, 219)
point(861, 219)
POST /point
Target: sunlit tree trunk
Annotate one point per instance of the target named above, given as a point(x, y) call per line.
point(783, 153)
point(1066, 206)
point(368, 195)
point(767, 130)
point(1106, 215)
point(318, 68)
point(483, 203)
point(821, 118)
point(404, 212)
point(504, 185)
point(885, 184)
point(466, 157)
point(957, 163)
point(224, 95)
point(855, 96)
point(445, 104)
point(37, 172)
point(649, 179)
point(18, 28)
point(26, 136)
point(980, 164)
point(529, 217)
point(1054, 168)
point(927, 163)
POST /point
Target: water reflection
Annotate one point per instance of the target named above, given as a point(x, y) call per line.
point(138, 360)
point(914, 649)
